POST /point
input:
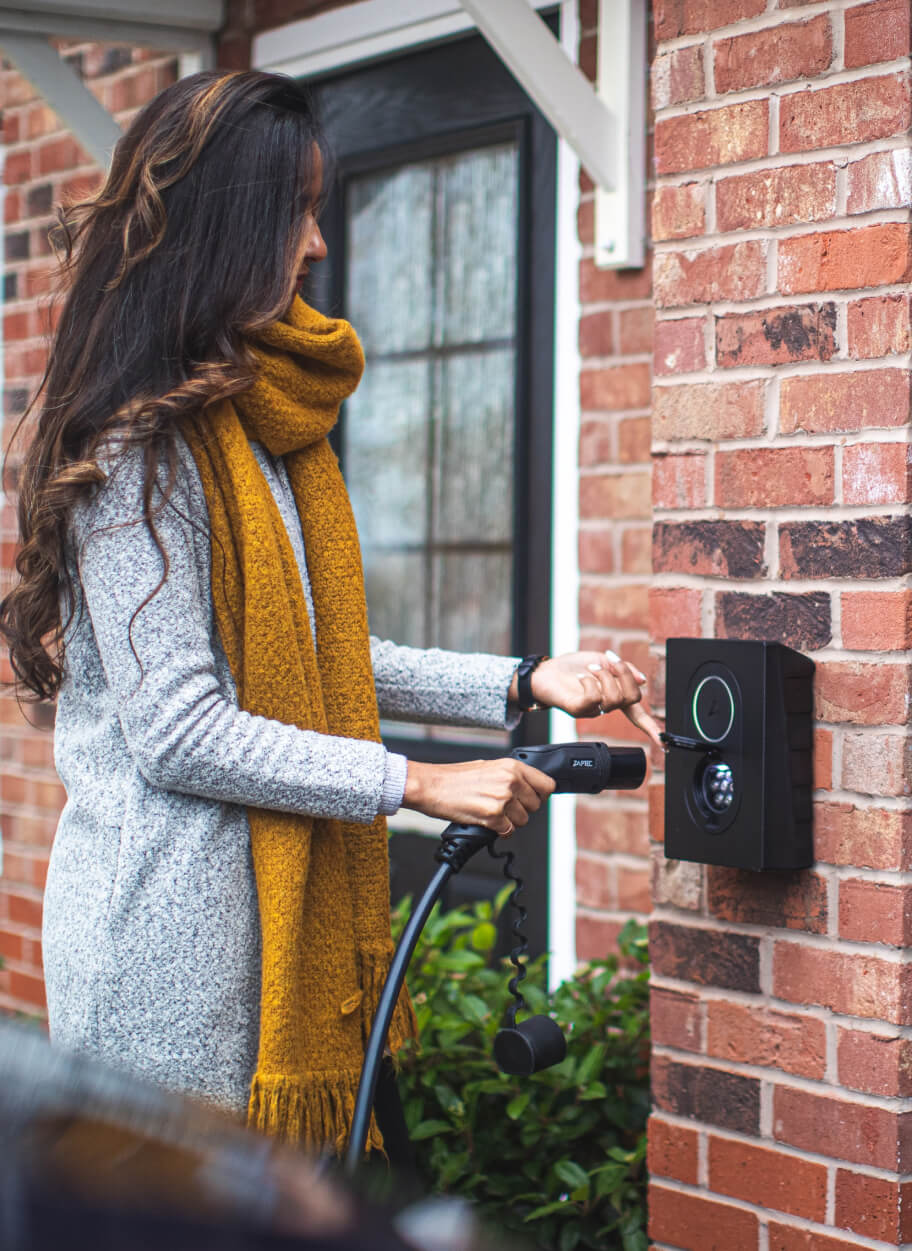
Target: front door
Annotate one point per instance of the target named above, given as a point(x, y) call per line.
point(440, 228)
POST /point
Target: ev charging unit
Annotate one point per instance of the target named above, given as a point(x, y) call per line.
point(738, 774)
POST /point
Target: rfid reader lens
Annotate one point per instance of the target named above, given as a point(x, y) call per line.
point(713, 709)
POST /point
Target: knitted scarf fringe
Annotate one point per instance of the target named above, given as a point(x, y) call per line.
point(314, 1110)
point(373, 967)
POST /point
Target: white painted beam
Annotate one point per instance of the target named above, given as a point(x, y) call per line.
point(558, 86)
point(64, 91)
point(67, 25)
point(620, 212)
point(202, 15)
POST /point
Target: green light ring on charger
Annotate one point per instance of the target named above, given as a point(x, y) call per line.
point(713, 677)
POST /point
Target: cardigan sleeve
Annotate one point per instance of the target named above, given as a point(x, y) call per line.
point(443, 687)
point(182, 727)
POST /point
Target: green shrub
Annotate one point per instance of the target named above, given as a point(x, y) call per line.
point(559, 1156)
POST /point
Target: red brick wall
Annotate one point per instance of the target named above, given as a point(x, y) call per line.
point(615, 562)
point(782, 1003)
point(43, 164)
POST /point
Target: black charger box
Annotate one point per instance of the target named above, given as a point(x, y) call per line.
point(740, 793)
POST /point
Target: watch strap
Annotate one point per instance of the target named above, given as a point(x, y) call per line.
point(526, 668)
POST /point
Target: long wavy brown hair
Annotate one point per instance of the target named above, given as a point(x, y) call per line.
point(193, 242)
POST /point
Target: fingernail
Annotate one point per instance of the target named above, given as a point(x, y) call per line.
point(613, 657)
point(594, 668)
point(641, 677)
point(581, 676)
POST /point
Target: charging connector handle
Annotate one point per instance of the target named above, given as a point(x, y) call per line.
point(586, 768)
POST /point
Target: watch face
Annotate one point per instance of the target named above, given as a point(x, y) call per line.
point(713, 708)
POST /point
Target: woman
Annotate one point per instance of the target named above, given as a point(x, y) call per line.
point(216, 913)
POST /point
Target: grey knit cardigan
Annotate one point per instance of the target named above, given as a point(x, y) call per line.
point(151, 927)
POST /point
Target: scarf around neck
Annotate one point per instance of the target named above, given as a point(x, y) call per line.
point(322, 884)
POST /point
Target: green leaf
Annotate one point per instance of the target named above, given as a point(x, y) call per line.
point(559, 1205)
point(569, 1237)
point(572, 1174)
point(427, 1129)
point(518, 1105)
point(591, 1064)
point(484, 936)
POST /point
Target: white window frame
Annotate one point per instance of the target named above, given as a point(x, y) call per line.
point(368, 31)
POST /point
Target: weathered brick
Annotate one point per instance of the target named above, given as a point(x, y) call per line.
point(23, 909)
point(595, 549)
point(674, 611)
point(680, 346)
point(723, 549)
point(596, 442)
point(776, 336)
point(835, 1127)
point(863, 694)
point(854, 984)
point(796, 900)
point(678, 883)
point(596, 334)
point(879, 326)
point(679, 481)
point(596, 936)
point(876, 32)
point(603, 285)
point(699, 1223)
point(877, 764)
point(691, 17)
point(709, 410)
point(768, 1178)
point(17, 167)
point(834, 260)
point(822, 748)
point(868, 1205)
point(800, 621)
point(677, 77)
point(585, 221)
point(635, 328)
point(773, 477)
point(615, 495)
point(876, 620)
point(712, 1095)
point(871, 838)
point(28, 989)
point(736, 271)
point(619, 607)
point(880, 1064)
point(854, 112)
point(607, 828)
point(882, 180)
point(721, 136)
point(707, 957)
point(679, 212)
point(788, 1238)
point(876, 473)
point(760, 1035)
point(799, 50)
point(596, 885)
point(674, 1018)
point(776, 197)
point(875, 912)
point(862, 547)
point(672, 1151)
point(634, 440)
point(616, 387)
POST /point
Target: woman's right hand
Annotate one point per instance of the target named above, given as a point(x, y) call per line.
point(498, 794)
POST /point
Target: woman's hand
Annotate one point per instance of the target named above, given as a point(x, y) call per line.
point(498, 794)
point(587, 684)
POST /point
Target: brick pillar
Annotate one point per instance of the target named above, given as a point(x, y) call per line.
point(615, 337)
point(44, 165)
point(782, 1002)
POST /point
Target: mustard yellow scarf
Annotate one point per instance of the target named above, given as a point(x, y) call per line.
point(323, 885)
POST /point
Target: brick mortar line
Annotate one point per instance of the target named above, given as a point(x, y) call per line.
point(858, 799)
point(838, 155)
point(748, 1140)
point(901, 435)
point(626, 859)
point(763, 512)
point(774, 299)
point(808, 85)
point(782, 1080)
point(797, 586)
point(895, 215)
point(898, 957)
point(787, 369)
point(762, 21)
point(809, 1011)
point(766, 1214)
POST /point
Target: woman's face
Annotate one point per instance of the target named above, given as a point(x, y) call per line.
point(314, 247)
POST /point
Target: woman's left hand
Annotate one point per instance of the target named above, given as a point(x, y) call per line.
point(587, 684)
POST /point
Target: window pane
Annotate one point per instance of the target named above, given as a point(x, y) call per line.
point(473, 599)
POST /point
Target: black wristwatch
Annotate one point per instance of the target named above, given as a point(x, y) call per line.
point(526, 668)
